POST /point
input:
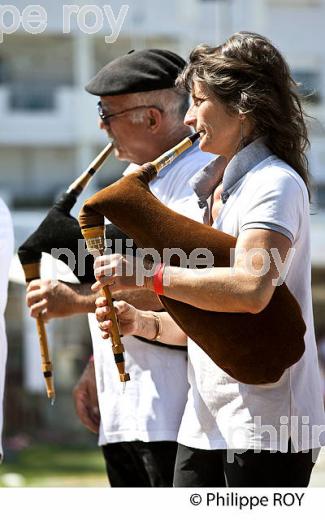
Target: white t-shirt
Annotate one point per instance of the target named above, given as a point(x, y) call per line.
point(264, 192)
point(151, 405)
point(6, 251)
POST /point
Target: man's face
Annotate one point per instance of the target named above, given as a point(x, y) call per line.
point(129, 138)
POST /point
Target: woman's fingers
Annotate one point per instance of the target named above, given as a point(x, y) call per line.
point(117, 270)
point(101, 301)
point(105, 325)
point(105, 328)
point(105, 280)
point(124, 313)
point(121, 307)
point(102, 313)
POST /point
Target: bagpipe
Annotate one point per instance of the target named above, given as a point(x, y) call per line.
point(59, 232)
point(252, 348)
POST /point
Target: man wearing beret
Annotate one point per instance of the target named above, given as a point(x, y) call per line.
point(142, 113)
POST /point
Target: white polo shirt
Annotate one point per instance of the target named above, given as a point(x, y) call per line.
point(6, 252)
point(151, 405)
point(260, 191)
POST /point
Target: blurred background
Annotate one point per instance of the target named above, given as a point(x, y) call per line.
point(48, 136)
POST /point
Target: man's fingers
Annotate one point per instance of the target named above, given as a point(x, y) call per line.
point(34, 297)
point(91, 421)
point(43, 285)
point(88, 415)
point(88, 419)
point(38, 308)
point(34, 284)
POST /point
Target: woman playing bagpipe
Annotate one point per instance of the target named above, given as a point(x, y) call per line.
point(242, 425)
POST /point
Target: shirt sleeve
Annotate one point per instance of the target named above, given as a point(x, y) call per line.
point(6, 251)
point(274, 200)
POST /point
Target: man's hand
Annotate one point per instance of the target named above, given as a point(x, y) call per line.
point(85, 399)
point(53, 299)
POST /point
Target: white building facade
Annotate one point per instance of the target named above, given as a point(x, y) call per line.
point(49, 132)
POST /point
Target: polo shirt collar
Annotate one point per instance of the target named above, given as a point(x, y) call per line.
point(205, 181)
point(244, 161)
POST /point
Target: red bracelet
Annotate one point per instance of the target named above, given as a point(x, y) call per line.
point(158, 286)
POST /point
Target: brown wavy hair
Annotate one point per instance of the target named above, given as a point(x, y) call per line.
point(249, 75)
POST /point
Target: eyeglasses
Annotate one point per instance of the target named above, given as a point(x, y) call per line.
point(105, 117)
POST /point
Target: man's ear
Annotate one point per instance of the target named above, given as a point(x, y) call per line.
point(154, 119)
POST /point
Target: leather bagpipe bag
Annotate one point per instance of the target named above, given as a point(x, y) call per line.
point(252, 348)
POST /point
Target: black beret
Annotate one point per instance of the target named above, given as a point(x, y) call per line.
point(141, 71)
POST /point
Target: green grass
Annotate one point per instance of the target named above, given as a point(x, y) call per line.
point(53, 466)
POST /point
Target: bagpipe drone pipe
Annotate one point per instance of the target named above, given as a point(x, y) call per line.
point(59, 234)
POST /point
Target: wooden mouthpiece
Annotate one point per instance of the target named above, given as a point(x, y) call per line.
point(168, 157)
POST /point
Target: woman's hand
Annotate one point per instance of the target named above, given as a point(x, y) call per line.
point(128, 317)
point(122, 272)
point(134, 322)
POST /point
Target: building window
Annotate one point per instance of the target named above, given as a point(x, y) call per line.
point(308, 84)
point(31, 97)
point(320, 196)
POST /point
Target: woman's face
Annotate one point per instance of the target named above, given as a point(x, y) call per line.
point(220, 130)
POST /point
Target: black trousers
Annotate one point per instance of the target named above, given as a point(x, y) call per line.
point(211, 468)
point(140, 464)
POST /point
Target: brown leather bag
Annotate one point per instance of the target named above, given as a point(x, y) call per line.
point(252, 348)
